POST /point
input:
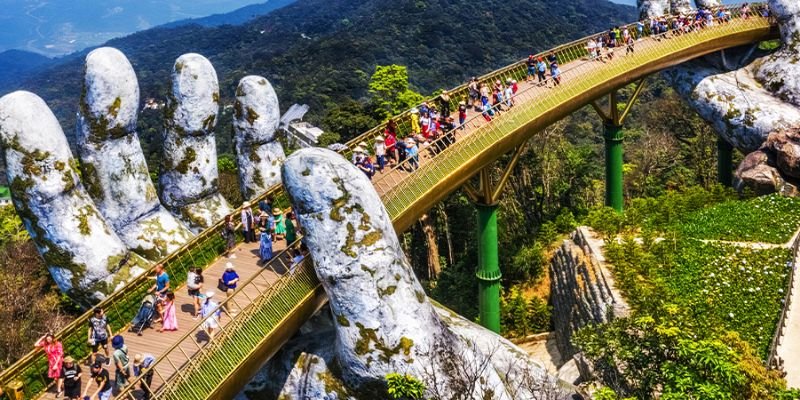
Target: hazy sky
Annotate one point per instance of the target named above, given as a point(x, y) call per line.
point(55, 27)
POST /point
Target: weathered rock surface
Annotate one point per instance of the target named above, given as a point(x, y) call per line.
point(256, 119)
point(745, 102)
point(653, 8)
point(189, 175)
point(582, 289)
point(113, 165)
point(84, 255)
point(774, 167)
point(384, 321)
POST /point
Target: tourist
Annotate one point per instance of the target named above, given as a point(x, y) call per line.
point(265, 204)
point(424, 123)
point(531, 68)
point(291, 229)
point(487, 113)
point(55, 357)
point(161, 286)
point(591, 47)
point(262, 221)
point(380, 152)
point(142, 367)
point(414, 115)
point(484, 88)
point(462, 114)
point(392, 153)
point(639, 30)
point(629, 42)
point(279, 224)
point(541, 69)
point(99, 332)
point(121, 362)
point(265, 247)
point(211, 314)
point(102, 380)
point(230, 278)
point(444, 103)
point(194, 284)
point(508, 95)
point(412, 153)
point(169, 318)
point(70, 379)
point(365, 165)
point(474, 91)
point(229, 235)
point(248, 223)
point(555, 73)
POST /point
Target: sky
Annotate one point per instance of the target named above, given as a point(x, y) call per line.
point(57, 27)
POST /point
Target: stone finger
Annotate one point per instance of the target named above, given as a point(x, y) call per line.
point(114, 168)
point(84, 255)
point(256, 119)
point(189, 175)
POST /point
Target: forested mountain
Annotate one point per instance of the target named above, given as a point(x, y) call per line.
point(322, 52)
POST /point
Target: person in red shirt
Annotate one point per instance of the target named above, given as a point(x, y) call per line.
point(391, 147)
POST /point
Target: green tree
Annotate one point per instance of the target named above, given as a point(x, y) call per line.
point(404, 387)
point(390, 91)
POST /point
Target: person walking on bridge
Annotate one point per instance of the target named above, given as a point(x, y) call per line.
point(230, 279)
point(229, 234)
point(541, 69)
point(102, 380)
point(142, 367)
point(121, 362)
point(55, 357)
point(194, 284)
point(211, 314)
point(265, 247)
point(248, 223)
point(169, 320)
point(99, 333)
point(71, 379)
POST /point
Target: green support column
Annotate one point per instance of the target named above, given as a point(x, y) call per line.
point(488, 268)
point(613, 138)
point(724, 162)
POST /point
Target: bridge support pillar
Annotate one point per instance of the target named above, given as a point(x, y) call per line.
point(614, 136)
point(486, 197)
point(724, 162)
point(488, 267)
point(613, 119)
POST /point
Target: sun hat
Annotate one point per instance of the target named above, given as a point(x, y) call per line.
point(359, 149)
point(229, 266)
point(276, 211)
point(246, 204)
point(210, 294)
point(69, 359)
point(414, 111)
point(363, 144)
point(117, 342)
point(379, 138)
point(137, 359)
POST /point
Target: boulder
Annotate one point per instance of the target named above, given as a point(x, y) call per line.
point(785, 145)
point(189, 177)
point(113, 166)
point(85, 257)
point(256, 119)
point(384, 323)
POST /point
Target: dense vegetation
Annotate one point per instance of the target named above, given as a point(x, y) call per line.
point(704, 313)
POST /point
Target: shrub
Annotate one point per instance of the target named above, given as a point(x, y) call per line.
point(404, 386)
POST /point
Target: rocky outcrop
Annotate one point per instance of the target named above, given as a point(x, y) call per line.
point(84, 255)
point(582, 290)
point(384, 323)
point(256, 119)
point(775, 167)
point(189, 175)
point(114, 168)
point(744, 101)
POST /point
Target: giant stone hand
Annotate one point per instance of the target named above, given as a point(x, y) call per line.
point(383, 320)
point(748, 96)
point(99, 227)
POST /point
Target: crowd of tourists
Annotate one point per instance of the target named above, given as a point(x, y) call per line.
point(435, 120)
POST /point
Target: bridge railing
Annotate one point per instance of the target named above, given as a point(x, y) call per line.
point(446, 156)
point(30, 371)
point(773, 359)
point(202, 250)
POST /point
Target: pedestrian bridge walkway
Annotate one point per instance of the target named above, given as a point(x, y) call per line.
point(275, 300)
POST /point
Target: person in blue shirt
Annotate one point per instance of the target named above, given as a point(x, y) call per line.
point(142, 364)
point(230, 278)
point(161, 287)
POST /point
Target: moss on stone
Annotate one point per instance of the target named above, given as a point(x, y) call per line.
point(59, 165)
point(208, 123)
point(306, 172)
point(91, 181)
point(252, 115)
point(215, 97)
point(365, 268)
point(420, 296)
point(388, 291)
point(342, 320)
point(253, 155)
point(189, 156)
point(333, 385)
point(113, 109)
point(368, 336)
